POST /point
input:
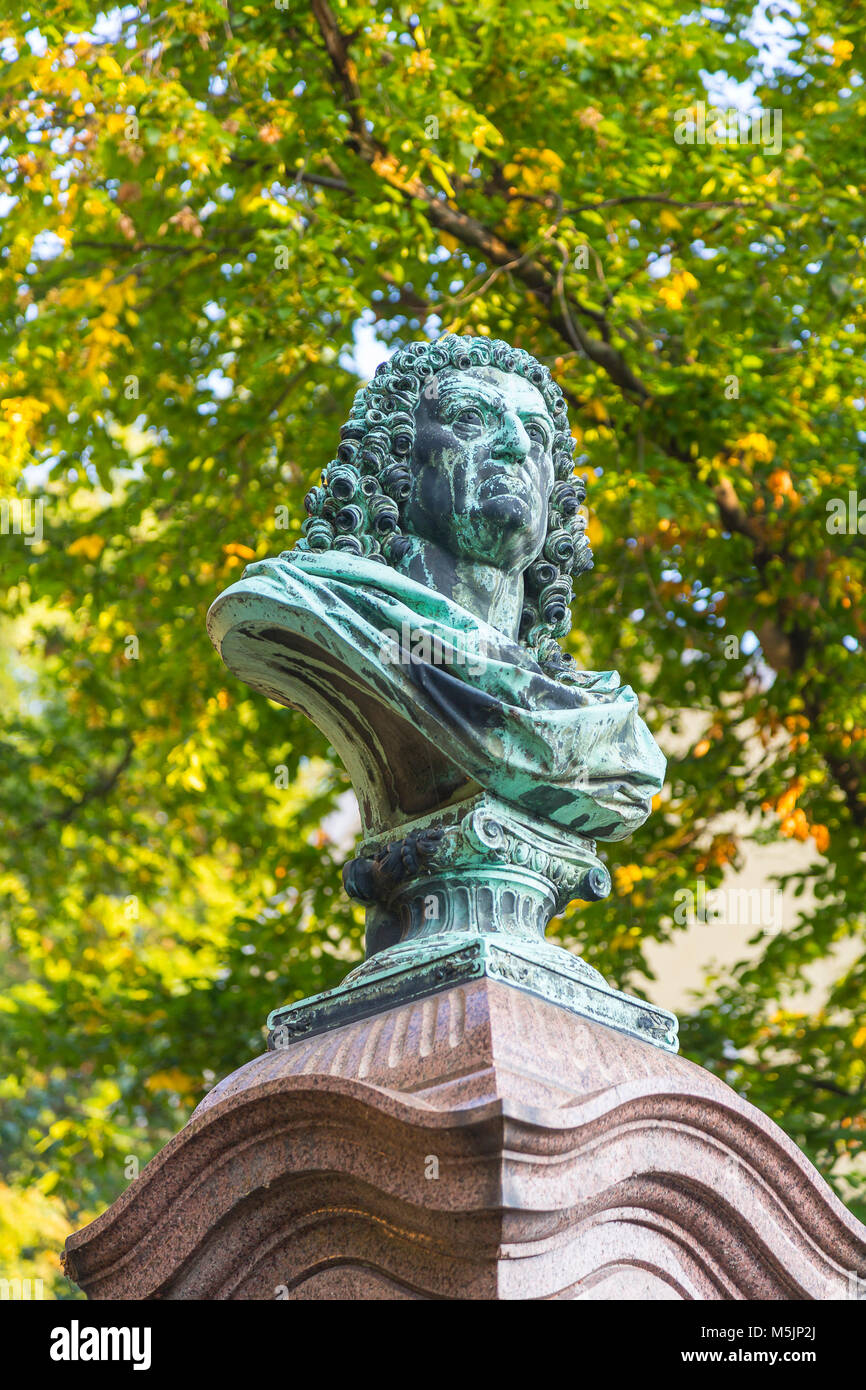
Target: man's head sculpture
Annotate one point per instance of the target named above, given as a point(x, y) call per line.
point(417, 624)
point(463, 443)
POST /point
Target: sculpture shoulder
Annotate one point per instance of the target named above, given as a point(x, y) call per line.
point(367, 574)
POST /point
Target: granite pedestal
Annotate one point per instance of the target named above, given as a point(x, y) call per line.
point(479, 1143)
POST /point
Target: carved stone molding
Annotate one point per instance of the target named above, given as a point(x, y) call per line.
point(479, 1143)
point(469, 891)
point(420, 967)
point(476, 834)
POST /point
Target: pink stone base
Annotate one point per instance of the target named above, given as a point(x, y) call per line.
point(573, 1162)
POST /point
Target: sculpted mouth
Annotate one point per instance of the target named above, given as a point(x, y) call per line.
point(514, 485)
point(506, 508)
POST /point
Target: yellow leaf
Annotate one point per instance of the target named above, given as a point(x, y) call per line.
point(171, 1080)
point(442, 179)
point(91, 547)
point(758, 445)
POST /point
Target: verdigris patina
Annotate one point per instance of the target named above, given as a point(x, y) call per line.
point(417, 623)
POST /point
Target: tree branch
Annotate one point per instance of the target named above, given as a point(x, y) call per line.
point(101, 787)
point(538, 278)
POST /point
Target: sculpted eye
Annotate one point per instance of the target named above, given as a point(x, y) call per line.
point(468, 422)
point(537, 433)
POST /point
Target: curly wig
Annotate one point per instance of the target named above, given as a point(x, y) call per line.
point(358, 507)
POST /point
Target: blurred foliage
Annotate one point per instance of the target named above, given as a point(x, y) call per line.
point(205, 207)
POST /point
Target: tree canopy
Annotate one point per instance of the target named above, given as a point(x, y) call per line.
point(209, 213)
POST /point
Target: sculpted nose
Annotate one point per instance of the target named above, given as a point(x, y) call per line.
point(512, 441)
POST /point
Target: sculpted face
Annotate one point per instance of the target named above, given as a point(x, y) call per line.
point(482, 468)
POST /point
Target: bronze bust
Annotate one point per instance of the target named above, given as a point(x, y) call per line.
point(418, 623)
